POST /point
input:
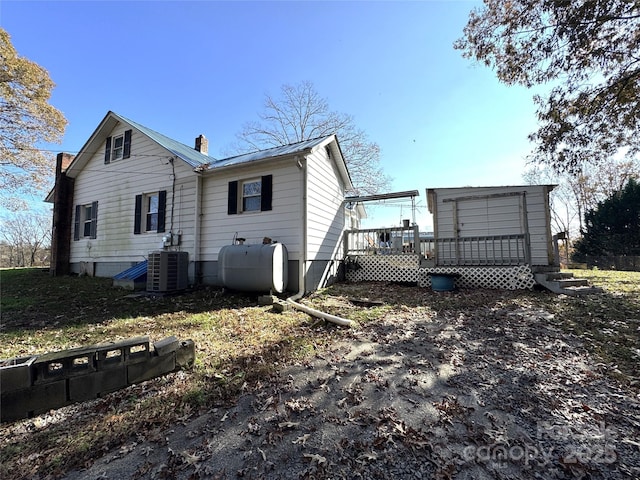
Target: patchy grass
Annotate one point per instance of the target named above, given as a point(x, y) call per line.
point(609, 324)
point(238, 344)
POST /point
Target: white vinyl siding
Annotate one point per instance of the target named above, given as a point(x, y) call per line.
point(325, 208)
point(115, 186)
point(282, 223)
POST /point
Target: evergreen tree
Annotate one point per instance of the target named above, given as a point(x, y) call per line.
point(613, 226)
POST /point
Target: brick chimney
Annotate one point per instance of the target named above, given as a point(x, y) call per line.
point(62, 162)
point(202, 144)
point(62, 213)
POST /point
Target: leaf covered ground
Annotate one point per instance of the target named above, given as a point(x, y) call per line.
point(468, 384)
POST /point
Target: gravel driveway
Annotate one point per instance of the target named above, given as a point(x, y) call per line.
point(497, 392)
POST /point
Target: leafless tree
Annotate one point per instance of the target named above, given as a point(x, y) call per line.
point(25, 237)
point(299, 114)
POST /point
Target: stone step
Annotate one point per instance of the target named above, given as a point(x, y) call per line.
point(559, 275)
point(564, 283)
point(582, 290)
point(572, 282)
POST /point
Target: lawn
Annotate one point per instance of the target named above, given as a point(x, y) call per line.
point(238, 343)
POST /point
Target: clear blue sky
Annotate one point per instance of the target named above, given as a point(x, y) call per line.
point(186, 68)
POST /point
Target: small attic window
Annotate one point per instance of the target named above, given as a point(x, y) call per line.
point(328, 150)
point(117, 147)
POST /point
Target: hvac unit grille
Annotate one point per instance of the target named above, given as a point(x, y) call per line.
point(167, 271)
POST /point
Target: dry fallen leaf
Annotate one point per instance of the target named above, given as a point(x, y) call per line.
point(190, 458)
point(302, 440)
point(288, 424)
point(368, 456)
point(314, 457)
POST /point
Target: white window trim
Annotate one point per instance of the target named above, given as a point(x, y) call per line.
point(146, 211)
point(242, 196)
point(115, 150)
point(85, 220)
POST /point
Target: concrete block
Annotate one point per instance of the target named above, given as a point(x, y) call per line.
point(15, 373)
point(166, 345)
point(138, 352)
point(115, 354)
point(154, 367)
point(186, 354)
point(109, 358)
point(266, 300)
point(55, 366)
point(96, 384)
point(281, 306)
point(32, 401)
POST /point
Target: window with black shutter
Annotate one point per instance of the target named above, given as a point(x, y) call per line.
point(117, 147)
point(85, 224)
point(250, 195)
point(150, 212)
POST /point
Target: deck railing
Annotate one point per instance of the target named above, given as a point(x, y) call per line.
point(374, 241)
point(490, 250)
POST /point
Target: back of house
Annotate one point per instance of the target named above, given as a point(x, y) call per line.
point(131, 191)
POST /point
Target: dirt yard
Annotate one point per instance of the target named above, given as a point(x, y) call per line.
point(464, 385)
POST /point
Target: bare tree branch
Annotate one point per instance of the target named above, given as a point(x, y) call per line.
point(300, 113)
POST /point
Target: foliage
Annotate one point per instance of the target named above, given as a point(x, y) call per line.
point(588, 51)
point(26, 118)
point(613, 227)
point(299, 114)
point(575, 194)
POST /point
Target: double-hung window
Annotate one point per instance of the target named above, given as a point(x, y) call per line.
point(117, 147)
point(86, 221)
point(250, 195)
point(150, 210)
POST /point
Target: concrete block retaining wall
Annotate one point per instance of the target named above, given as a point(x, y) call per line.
point(33, 385)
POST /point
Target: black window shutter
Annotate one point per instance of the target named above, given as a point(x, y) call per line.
point(232, 207)
point(162, 208)
point(137, 221)
point(266, 196)
point(94, 220)
point(127, 144)
point(76, 223)
point(107, 151)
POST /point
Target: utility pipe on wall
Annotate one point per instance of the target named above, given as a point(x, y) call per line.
point(302, 268)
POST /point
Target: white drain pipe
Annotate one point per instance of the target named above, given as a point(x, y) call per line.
point(344, 322)
point(302, 273)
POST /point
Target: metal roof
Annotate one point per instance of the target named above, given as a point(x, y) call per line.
point(383, 196)
point(290, 149)
point(189, 154)
point(196, 159)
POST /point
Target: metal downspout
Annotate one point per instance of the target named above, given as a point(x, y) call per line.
point(196, 232)
point(302, 270)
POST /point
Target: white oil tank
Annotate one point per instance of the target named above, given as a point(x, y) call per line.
point(254, 268)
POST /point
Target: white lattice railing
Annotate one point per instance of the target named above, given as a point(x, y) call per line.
point(406, 268)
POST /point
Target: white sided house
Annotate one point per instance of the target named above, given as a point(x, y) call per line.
point(132, 191)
